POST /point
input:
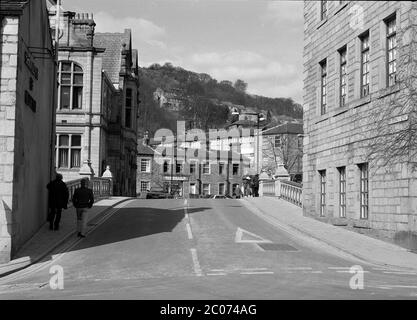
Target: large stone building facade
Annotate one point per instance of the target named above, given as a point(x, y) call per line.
point(27, 115)
point(188, 177)
point(97, 103)
point(352, 64)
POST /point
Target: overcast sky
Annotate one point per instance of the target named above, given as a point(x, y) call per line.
point(260, 42)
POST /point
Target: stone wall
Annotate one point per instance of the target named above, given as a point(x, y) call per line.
point(27, 110)
point(341, 137)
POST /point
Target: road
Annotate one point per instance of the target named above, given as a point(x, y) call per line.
point(199, 249)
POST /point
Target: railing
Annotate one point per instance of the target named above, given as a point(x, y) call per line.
point(268, 187)
point(72, 185)
point(292, 192)
point(102, 188)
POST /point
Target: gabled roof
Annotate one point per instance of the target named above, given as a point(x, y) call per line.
point(289, 127)
point(113, 43)
point(144, 149)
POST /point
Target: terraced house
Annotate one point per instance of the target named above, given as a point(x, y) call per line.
point(359, 152)
point(97, 102)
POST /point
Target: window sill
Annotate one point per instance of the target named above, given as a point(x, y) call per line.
point(70, 111)
point(322, 118)
point(388, 91)
point(69, 169)
point(341, 7)
point(322, 22)
point(360, 102)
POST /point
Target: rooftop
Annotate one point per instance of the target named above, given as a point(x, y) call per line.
point(113, 43)
point(289, 127)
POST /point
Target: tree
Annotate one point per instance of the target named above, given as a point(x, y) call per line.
point(392, 135)
point(240, 85)
point(195, 88)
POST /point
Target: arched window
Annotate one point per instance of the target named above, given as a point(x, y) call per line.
point(70, 78)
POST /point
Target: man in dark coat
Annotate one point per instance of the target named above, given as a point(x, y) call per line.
point(58, 200)
point(255, 185)
point(83, 200)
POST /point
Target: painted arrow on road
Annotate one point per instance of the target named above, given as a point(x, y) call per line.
point(244, 236)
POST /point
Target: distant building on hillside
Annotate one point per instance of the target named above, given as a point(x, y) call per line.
point(172, 100)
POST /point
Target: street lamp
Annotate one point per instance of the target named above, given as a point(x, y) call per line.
point(260, 117)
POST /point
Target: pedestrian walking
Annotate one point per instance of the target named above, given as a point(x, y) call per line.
point(57, 200)
point(248, 191)
point(255, 183)
point(237, 192)
point(83, 200)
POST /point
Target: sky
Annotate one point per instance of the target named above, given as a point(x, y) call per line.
point(258, 41)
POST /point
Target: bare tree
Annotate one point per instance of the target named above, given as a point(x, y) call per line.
point(392, 137)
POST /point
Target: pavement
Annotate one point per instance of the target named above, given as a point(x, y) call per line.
point(290, 218)
point(45, 240)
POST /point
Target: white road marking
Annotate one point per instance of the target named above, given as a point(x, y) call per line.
point(197, 268)
point(348, 271)
point(217, 270)
point(258, 272)
point(253, 269)
point(239, 235)
point(390, 286)
point(216, 274)
point(189, 232)
point(387, 269)
point(399, 272)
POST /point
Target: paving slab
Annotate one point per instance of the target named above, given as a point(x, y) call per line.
point(45, 240)
point(358, 245)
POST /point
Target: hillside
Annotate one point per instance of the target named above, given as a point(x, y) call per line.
point(169, 93)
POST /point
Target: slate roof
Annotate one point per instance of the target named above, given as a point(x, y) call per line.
point(113, 43)
point(144, 149)
point(289, 127)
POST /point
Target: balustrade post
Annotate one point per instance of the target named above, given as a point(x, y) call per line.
point(108, 175)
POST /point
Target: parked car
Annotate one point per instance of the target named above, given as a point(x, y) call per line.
point(158, 194)
point(221, 196)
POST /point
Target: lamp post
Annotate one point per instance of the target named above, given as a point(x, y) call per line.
point(259, 117)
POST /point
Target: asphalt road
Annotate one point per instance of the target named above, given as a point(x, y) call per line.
point(203, 249)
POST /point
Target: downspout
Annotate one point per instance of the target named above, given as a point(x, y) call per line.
point(91, 106)
point(55, 63)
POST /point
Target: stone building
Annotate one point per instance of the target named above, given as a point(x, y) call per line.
point(352, 62)
point(27, 114)
point(188, 176)
point(97, 103)
point(283, 144)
